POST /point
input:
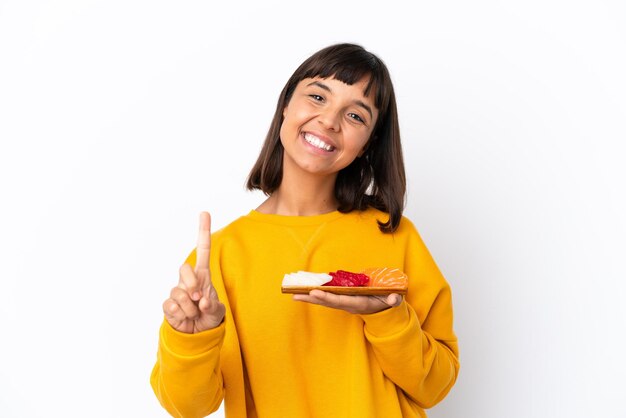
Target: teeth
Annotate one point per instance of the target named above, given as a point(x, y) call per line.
point(316, 142)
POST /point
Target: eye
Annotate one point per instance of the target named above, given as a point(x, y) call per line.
point(316, 97)
point(356, 117)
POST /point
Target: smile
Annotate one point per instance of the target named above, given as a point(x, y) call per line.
point(317, 143)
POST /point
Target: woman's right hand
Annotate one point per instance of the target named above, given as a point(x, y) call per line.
point(193, 305)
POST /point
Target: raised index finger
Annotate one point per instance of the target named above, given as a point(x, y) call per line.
point(203, 249)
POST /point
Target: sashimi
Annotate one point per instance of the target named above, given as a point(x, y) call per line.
point(369, 282)
point(386, 277)
point(306, 278)
point(347, 278)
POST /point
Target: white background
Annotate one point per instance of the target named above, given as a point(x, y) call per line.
point(121, 120)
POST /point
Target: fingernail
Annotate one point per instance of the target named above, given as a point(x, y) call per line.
point(195, 296)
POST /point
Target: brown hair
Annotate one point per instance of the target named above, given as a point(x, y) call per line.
point(375, 179)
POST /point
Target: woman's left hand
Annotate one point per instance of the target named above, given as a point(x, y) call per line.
point(353, 304)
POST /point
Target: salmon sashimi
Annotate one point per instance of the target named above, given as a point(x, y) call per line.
point(386, 277)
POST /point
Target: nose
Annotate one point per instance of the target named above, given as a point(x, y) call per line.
point(329, 119)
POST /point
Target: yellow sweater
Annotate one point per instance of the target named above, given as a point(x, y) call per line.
point(275, 357)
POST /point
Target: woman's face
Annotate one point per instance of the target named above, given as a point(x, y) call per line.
point(326, 125)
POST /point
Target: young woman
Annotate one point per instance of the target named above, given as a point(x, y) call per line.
point(333, 171)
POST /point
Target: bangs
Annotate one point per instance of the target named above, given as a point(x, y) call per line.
point(350, 65)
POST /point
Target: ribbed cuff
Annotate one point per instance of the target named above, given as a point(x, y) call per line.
point(185, 344)
point(388, 322)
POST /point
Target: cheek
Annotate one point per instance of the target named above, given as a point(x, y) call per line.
point(286, 129)
point(360, 145)
point(292, 120)
point(361, 141)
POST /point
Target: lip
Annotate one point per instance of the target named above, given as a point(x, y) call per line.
point(324, 138)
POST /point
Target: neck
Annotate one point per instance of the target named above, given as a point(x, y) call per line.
point(308, 196)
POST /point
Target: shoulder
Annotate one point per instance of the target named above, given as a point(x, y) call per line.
point(231, 230)
point(372, 216)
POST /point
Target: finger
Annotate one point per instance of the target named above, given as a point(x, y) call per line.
point(173, 313)
point(206, 289)
point(209, 303)
point(213, 311)
point(181, 297)
point(203, 248)
point(210, 292)
point(191, 282)
point(394, 300)
point(212, 320)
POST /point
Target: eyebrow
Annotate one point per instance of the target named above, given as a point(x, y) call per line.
point(357, 102)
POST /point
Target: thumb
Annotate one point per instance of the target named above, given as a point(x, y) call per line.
point(209, 294)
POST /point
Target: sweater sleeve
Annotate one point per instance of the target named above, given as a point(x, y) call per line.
point(186, 377)
point(414, 343)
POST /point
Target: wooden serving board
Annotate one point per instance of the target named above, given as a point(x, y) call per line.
point(346, 290)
